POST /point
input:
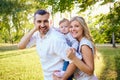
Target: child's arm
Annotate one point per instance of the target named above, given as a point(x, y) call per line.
point(73, 41)
point(75, 44)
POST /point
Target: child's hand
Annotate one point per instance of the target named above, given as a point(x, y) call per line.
point(71, 53)
point(57, 75)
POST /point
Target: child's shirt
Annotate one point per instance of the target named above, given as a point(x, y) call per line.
point(71, 41)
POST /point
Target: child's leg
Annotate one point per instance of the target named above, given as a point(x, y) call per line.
point(66, 63)
point(61, 73)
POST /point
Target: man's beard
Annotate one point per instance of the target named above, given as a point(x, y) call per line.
point(44, 30)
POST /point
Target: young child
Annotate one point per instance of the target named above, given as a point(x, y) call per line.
point(64, 28)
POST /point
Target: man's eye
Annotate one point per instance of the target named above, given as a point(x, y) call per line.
point(46, 21)
point(39, 21)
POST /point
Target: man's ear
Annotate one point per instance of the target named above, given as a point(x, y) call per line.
point(51, 22)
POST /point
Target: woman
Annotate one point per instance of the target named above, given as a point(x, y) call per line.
point(85, 67)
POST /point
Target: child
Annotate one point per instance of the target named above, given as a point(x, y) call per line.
point(64, 28)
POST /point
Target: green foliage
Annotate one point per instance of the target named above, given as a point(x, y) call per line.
point(112, 20)
point(60, 5)
point(84, 4)
point(107, 1)
point(105, 24)
point(66, 5)
point(14, 21)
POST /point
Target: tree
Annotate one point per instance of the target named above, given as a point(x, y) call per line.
point(110, 24)
point(105, 28)
point(14, 18)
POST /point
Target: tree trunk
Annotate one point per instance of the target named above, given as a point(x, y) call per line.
point(113, 40)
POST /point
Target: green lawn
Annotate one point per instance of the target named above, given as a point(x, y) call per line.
point(108, 65)
point(19, 64)
point(25, 65)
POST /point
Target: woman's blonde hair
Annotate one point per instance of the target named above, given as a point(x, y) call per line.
point(86, 31)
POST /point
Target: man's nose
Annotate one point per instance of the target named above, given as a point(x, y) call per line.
point(42, 25)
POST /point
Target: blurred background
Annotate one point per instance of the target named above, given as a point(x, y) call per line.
point(102, 16)
point(16, 19)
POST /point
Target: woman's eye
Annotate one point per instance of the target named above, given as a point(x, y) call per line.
point(76, 26)
point(71, 26)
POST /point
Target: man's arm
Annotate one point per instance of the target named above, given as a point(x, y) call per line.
point(25, 39)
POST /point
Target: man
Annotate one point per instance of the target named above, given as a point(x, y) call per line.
point(51, 45)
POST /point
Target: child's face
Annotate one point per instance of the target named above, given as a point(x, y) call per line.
point(64, 27)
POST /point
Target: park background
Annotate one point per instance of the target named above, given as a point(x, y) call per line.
point(16, 19)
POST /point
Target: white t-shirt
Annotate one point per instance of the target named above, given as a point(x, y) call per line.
point(52, 51)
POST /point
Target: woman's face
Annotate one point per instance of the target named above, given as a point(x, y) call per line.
point(76, 30)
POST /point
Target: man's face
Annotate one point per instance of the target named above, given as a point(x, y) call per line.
point(42, 23)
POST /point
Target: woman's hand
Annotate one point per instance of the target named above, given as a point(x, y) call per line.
point(71, 53)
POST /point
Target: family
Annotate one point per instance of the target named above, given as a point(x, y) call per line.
point(66, 53)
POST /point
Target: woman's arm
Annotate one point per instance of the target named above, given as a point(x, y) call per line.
point(87, 65)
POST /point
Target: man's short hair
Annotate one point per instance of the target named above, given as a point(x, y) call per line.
point(41, 12)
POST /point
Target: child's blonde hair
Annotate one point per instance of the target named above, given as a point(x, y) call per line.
point(63, 20)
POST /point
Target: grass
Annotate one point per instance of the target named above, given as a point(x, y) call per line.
point(107, 67)
point(25, 65)
point(19, 64)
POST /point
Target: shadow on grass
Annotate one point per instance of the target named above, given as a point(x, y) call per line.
point(117, 64)
point(11, 47)
point(111, 58)
point(11, 54)
point(10, 51)
point(106, 69)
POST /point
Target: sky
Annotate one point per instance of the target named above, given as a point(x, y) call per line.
point(97, 9)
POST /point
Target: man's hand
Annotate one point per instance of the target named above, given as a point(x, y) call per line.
point(36, 28)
